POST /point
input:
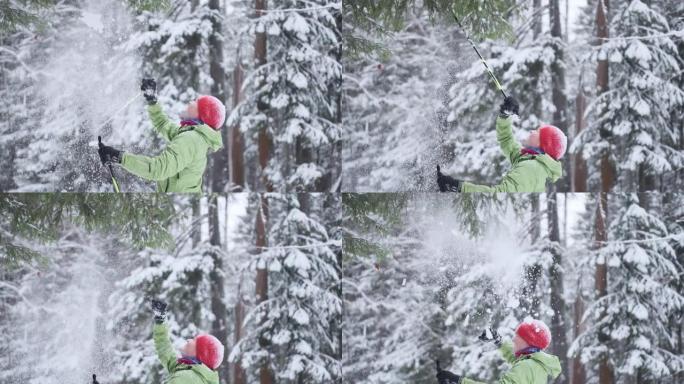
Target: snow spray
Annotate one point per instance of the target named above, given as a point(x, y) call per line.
point(61, 326)
point(496, 253)
point(90, 72)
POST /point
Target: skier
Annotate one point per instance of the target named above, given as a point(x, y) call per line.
point(533, 163)
point(199, 357)
point(530, 364)
point(179, 168)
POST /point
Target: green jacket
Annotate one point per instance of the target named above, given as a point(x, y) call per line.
point(180, 167)
point(179, 373)
point(529, 172)
point(535, 368)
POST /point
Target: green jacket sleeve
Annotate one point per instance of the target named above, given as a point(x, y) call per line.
point(176, 157)
point(504, 135)
point(514, 181)
point(519, 374)
point(165, 350)
point(167, 129)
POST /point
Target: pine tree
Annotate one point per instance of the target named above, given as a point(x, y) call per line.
point(632, 121)
point(22, 12)
point(291, 330)
point(634, 313)
point(29, 220)
point(292, 97)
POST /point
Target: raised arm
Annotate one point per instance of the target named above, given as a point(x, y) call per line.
point(162, 344)
point(160, 334)
point(504, 136)
point(162, 124)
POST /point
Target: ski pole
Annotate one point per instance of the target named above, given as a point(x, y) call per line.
point(115, 184)
point(109, 165)
point(113, 115)
point(439, 369)
point(489, 70)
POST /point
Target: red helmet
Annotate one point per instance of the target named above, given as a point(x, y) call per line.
point(209, 350)
point(535, 333)
point(211, 111)
point(552, 141)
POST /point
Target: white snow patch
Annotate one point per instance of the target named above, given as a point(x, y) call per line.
point(92, 20)
point(301, 317)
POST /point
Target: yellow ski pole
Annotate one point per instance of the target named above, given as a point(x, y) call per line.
point(489, 70)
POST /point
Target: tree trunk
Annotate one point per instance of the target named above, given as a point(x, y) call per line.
point(602, 77)
point(558, 328)
point(601, 284)
point(647, 181)
point(579, 179)
point(558, 97)
point(579, 375)
point(239, 376)
point(265, 376)
point(304, 155)
point(264, 140)
point(219, 169)
point(218, 306)
point(196, 225)
point(332, 179)
point(537, 67)
point(530, 294)
point(237, 142)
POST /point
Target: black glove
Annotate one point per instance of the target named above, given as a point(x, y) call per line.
point(509, 107)
point(149, 89)
point(446, 377)
point(95, 379)
point(495, 337)
point(447, 183)
point(107, 154)
point(159, 309)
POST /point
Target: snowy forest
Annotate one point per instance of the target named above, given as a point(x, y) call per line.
point(70, 71)
point(424, 275)
point(607, 73)
point(259, 271)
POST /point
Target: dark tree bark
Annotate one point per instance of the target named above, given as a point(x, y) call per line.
point(579, 375)
point(558, 97)
point(264, 139)
point(196, 229)
point(219, 169)
point(579, 179)
point(558, 327)
point(530, 295)
point(237, 142)
point(218, 306)
point(265, 375)
point(239, 376)
point(602, 83)
point(606, 375)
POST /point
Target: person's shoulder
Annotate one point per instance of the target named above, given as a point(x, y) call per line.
point(189, 134)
